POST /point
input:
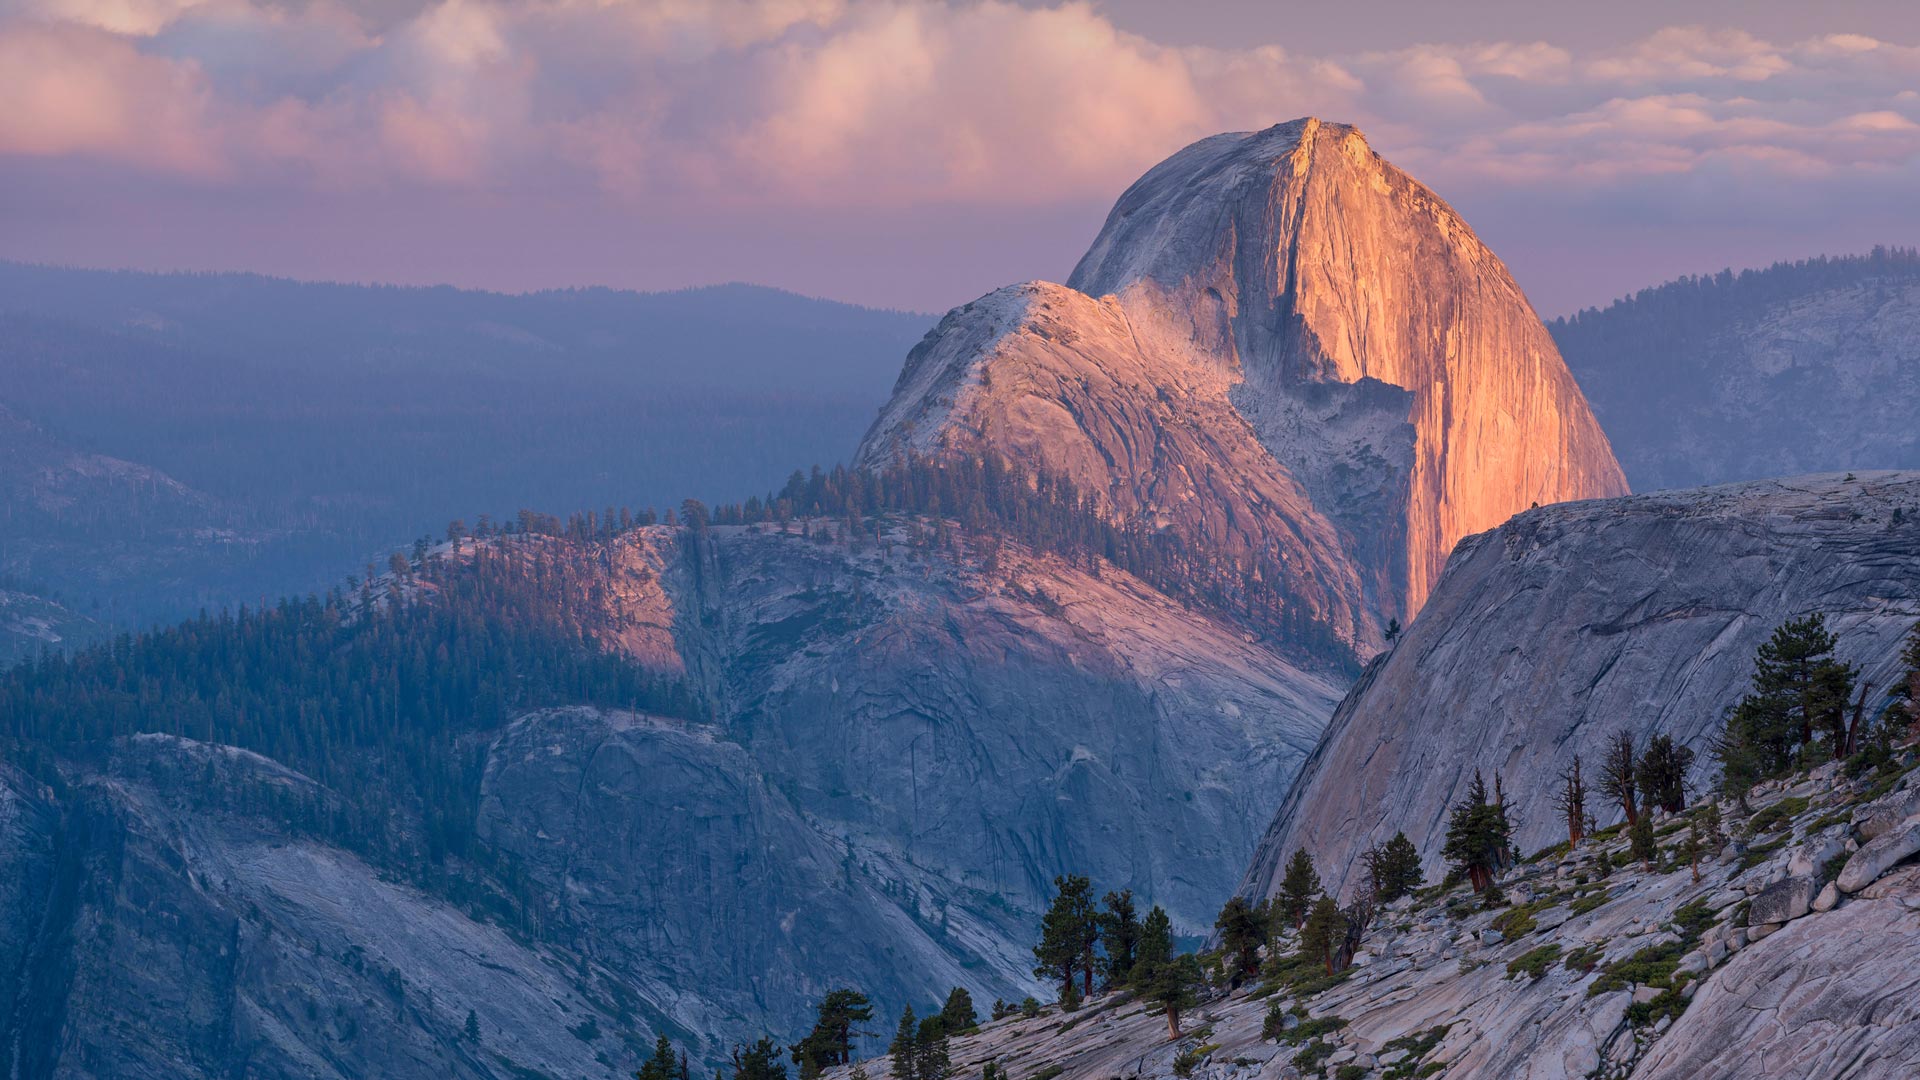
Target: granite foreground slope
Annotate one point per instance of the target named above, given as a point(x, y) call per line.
point(1796, 955)
point(1284, 347)
point(1567, 623)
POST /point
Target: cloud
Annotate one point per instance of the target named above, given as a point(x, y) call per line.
point(849, 103)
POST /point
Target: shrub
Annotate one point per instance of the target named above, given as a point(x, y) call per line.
point(1651, 966)
point(1761, 853)
point(1584, 960)
point(1518, 921)
point(1590, 902)
point(1310, 1056)
point(1311, 1029)
point(1349, 1071)
point(1535, 962)
point(1778, 814)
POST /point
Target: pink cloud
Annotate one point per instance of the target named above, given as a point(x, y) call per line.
point(884, 103)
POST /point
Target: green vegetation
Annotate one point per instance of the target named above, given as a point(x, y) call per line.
point(1778, 814)
point(1479, 835)
point(369, 693)
point(1584, 959)
point(1535, 962)
point(1311, 1055)
point(1760, 853)
point(1307, 1030)
point(1799, 698)
point(1417, 1045)
point(1591, 902)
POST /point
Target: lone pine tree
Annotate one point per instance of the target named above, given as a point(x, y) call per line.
point(1325, 931)
point(1298, 888)
point(1618, 776)
point(1479, 836)
point(1068, 934)
point(1570, 801)
point(1119, 936)
point(1241, 934)
point(1393, 869)
point(1799, 693)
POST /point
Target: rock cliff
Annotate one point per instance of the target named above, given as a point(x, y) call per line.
point(1277, 339)
point(1571, 622)
point(907, 745)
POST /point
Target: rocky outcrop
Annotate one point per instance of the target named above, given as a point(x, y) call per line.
point(1836, 995)
point(166, 917)
point(30, 625)
point(1568, 623)
point(1600, 968)
point(1277, 335)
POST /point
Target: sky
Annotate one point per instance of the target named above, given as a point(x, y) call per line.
point(917, 153)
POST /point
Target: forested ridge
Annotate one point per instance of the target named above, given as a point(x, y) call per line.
point(372, 692)
point(1802, 367)
point(1692, 302)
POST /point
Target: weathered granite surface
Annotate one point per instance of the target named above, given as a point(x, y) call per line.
point(1570, 622)
point(1618, 971)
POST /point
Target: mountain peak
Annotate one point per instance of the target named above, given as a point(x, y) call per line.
point(1278, 341)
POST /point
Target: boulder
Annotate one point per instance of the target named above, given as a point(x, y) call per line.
point(1782, 901)
point(1808, 858)
point(1879, 855)
point(1903, 883)
point(1829, 896)
point(1881, 815)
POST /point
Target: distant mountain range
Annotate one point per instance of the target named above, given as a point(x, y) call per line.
point(179, 441)
point(1811, 366)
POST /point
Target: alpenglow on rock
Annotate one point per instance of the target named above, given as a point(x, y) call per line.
point(1285, 348)
point(1570, 623)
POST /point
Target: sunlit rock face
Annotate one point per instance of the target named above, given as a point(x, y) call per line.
point(1292, 340)
point(1570, 623)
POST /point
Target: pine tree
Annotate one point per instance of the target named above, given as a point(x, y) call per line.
point(759, 1061)
point(830, 1042)
point(1640, 837)
point(1169, 983)
point(1241, 934)
point(957, 1014)
point(1799, 691)
point(1156, 938)
point(1119, 936)
point(1570, 802)
point(1298, 888)
point(931, 1058)
point(1324, 932)
point(901, 1049)
point(1068, 934)
point(473, 1027)
point(1663, 774)
point(1479, 836)
point(1618, 780)
point(1907, 692)
point(1393, 870)
point(662, 1065)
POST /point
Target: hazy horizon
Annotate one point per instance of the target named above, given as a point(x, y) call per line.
point(915, 155)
